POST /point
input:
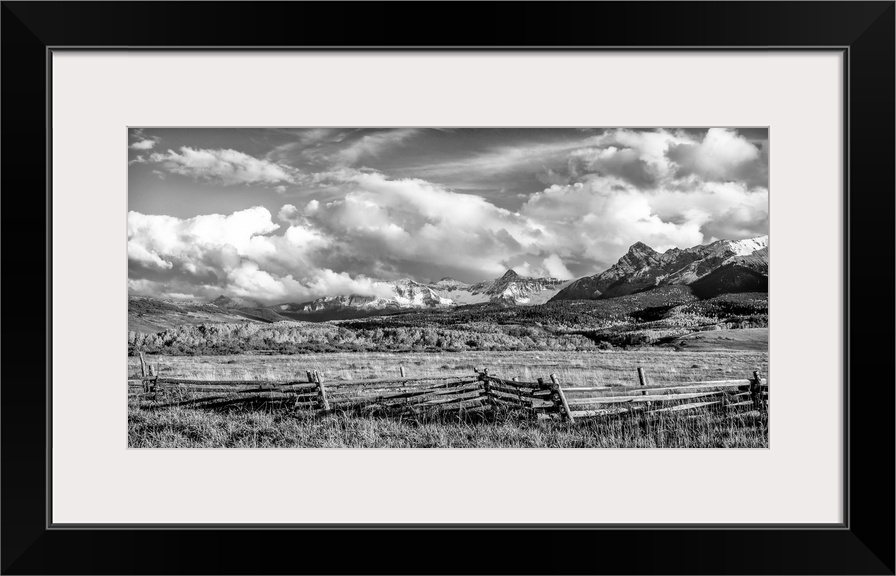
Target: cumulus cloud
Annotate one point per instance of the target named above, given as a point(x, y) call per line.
point(143, 144)
point(389, 228)
point(722, 156)
point(225, 166)
point(664, 188)
point(592, 223)
point(556, 269)
point(203, 246)
point(234, 254)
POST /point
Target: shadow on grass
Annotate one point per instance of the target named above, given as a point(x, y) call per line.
point(287, 406)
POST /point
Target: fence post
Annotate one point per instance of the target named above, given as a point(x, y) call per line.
point(142, 365)
point(309, 375)
point(561, 397)
point(543, 386)
point(323, 393)
point(488, 387)
point(401, 370)
point(519, 391)
point(756, 391)
point(642, 378)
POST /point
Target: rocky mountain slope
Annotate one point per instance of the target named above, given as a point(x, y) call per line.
point(147, 314)
point(643, 268)
point(511, 288)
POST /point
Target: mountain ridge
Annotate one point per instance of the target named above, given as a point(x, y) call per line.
point(642, 268)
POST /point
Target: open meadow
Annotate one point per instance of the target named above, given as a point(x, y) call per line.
point(278, 425)
point(596, 368)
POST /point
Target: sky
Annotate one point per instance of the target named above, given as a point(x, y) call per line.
point(294, 214)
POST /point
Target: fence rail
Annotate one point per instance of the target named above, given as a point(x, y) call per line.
point(479, 390)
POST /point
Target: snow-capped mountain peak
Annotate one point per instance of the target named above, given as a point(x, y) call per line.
point(747, 246)
point(642, 267)
point(511, 288)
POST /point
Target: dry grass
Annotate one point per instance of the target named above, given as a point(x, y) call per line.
point(269, 426)
point(278, 428)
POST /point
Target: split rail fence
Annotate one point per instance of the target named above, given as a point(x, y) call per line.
point(479, 390)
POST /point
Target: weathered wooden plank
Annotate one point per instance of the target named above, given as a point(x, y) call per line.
point(233, 389)
point(624, 389)
point(299, 389)
point(455, 398)
point(451, 392)
point(524, 392)
point(194, 382)
point(624, 399)
point(347, 383)
point(413, 394)
point(376, 390)
point(517, 383)
point(472, 400)
point(511, 401)
point(420, 396)
point(604, 412)
point(684, 407)
point(209, 389)
point(511, 394)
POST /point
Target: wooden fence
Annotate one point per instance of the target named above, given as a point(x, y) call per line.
point(479, 390)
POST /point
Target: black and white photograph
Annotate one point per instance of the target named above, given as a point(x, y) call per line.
point(408, 287)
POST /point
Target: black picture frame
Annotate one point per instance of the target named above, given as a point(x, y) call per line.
point(863, 544)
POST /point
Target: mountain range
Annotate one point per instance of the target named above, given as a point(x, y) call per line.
point(509, 289)
point(724, 266)
point(720, 267)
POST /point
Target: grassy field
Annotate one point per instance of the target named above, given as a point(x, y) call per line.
point(601, 368)
point(278, 426)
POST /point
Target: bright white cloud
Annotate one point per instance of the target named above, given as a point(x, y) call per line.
point(723, 155)
point(556, 269)
point(235, 254)
point(143, 144)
